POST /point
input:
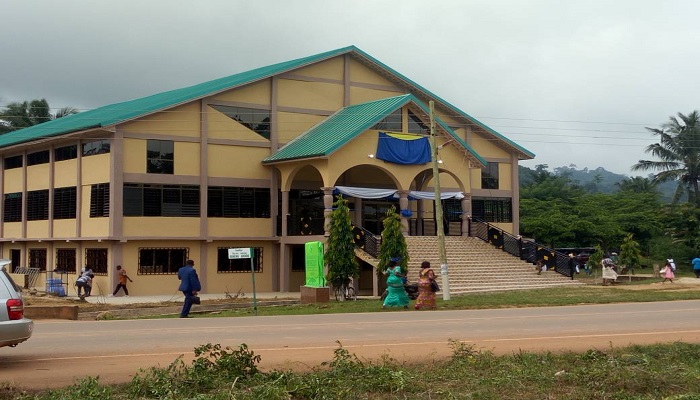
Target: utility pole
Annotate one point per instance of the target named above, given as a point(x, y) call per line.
point(438, 207)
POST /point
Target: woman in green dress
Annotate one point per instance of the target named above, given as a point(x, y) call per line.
point(396, 296)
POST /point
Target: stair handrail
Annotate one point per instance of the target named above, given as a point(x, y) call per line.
point(525, 249)
point(367, 241)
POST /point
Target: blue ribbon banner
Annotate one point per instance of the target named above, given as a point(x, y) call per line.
point(394, 149)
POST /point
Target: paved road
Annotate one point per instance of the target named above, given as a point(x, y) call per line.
point(61, 351)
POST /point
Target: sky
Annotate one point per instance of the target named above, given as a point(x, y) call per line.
point(575, 82)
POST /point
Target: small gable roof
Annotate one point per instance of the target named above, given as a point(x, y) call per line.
point(346, 124)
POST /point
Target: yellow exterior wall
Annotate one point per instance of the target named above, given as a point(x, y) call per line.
point(485, 147)
point(360, 95)
point(95, 169)
point(361, 73)
point(314, 95)
point(504, 176)
point(232, 282)
point(330, 69)
point(257, 93)
point(161, 226)
point(186, 158)
point(91, 227)
point(38, 177)
point(64, 228)
point(135, 155)
point(65, 173)
point(179, 121)
point(12, 230)
point(291, 125)
point(219, 126)
point(237, 162)
point(219, 227)
point(38, 229)
point(12, 182)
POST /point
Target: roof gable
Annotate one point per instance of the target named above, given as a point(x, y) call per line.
point(337, 130)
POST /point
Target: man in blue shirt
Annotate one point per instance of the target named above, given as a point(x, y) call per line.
point(696, 266)
point(189, 286)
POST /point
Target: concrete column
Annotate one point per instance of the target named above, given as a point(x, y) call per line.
point(403, 205)
point(327, 209)
point(466, 213)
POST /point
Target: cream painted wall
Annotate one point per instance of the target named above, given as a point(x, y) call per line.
point(256, 93)
point(38, 177)
point(360, 95)
point(485, 147)
point(12, 230)
point(219, 126)
point(237, 161)
point(361, 73)
point(65, 173)
point(314, 95)
point(187, 158)
point(239, 227)
point(161, 226)
point(179, 121)
point(135, 155)
point(95, 169)
point(291, 125)
point(330, 69)
point(38, 229)
point(476, 178)
point(504, 176)
point(64, 228)
point(233, 281)
point(91, 227)
point(12, 182)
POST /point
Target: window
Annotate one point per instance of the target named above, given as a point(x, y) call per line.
point(13, 207)
point(415, 125)
point(161, 200)
point(64, 200)
point(37, 259)
point(99, 200)
point(254, 119)
point(65, 260)
point(38, 205)
point(161, 260)
point(298, 258)
point(489, 176)
point(13, 162)
point(96, 259)
point(238, 202)
point(493, 210)
point(392, 122)
point(40, 157)
point(160, 156)
point(65, 153)
point(96, 147)
point(238, 265)
point(452, 210)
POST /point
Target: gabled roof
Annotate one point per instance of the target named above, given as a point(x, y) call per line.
point(348, 123)
point(113, 114)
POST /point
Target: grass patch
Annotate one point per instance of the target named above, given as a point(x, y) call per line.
point(635, 372)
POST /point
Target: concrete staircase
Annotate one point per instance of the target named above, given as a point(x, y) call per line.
point(476, 266)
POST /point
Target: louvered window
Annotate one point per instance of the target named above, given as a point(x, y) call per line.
point(238, 202)
point(38, 205)
point(99, 200)
point(13, 207)
point(64, 202)
point(142, 200)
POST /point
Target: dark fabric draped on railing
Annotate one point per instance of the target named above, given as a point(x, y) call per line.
point(527, 250)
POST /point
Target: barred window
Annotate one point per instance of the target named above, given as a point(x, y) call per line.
point(96, 147)
point(238, 265)
point(37, 259)
point(64, 203)
point(489, 176)
point(99, 200)
point(156, 261)
point(238, 202)
point(65, 153)
point(493, 209)
point(96, 259)
point(452, 210)
point(142, 200)
point(13, 207)
point(13, 162)
point(38, 205)
point(160, 156)
point(66, 261)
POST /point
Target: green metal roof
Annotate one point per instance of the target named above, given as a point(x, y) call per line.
point(346, 124)
point(116, 113)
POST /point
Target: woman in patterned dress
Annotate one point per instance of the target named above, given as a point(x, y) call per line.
point(426, 296)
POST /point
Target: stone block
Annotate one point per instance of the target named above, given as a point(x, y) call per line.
point(311, 295)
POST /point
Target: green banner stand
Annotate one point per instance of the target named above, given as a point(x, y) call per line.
point(314, 264)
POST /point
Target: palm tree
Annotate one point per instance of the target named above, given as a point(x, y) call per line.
point(637, 184)
point(679, 153)
point(29, 113)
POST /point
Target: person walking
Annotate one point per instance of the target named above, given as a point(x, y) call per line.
point(121, 284)
point(609, 273)
point(696, 266)
point(572, 265)
point(667, 271)
point(426, 293)
point(396, 293)
point(189, 286)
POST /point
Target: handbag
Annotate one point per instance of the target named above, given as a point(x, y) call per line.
point(196, 300)
point(434, 287)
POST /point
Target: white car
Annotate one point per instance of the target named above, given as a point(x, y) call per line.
point(14, 327)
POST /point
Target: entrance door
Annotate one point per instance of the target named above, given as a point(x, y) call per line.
point(16, 257)
point(373, 214)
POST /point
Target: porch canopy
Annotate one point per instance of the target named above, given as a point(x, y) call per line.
point(371, 193)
